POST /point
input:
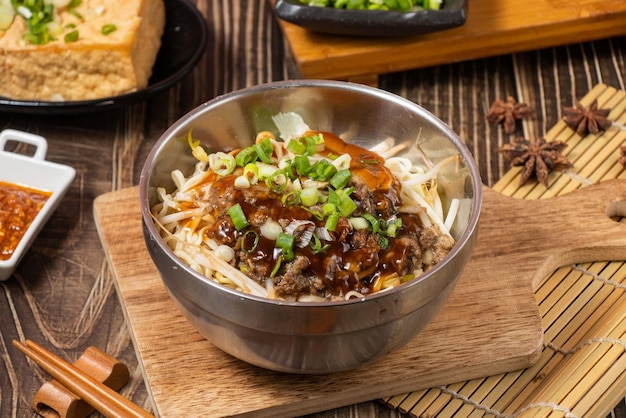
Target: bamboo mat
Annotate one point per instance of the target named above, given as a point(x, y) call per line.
point(582, 368)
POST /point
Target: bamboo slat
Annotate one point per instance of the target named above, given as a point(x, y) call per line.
point(582, 369)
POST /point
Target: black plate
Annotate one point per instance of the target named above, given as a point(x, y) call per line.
point(182, 45)
point(372, 23)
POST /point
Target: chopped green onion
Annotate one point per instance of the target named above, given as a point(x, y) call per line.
point(342, 162)
point(333, 199)
point(322, 170)
point(241, 182)
point(38, 16)
point(347, 206)
point(286, 165)
point(341, 199)
point(306, 145)
point(302, 164)
point(331, 221)
point(291, 198)
point(266, 170)
point(108, 29)
point(76, 14)
point(341, 179)
point(404, 5)
point(264, 150)
point(279, 261)
point(222, 163)
point(309, 143)
point(359, 223)
point(286, 242)
point(432, 4)
point(72, 8)
point(309, 196)
point(317, 214)
point(277, 181)
point(238, 217)
point(383, 242)
point(394, 5)
point(373, 222)
point(393, 227)
point(246, 156)
point(270, 229)
point(251, 172)
point(71, 37)
point(318, 143)
point(329, 208)
point(296, 146)
point(316, 245)
point(249, 247)
point(24, 11)
point(54, 28)
point(7, 14)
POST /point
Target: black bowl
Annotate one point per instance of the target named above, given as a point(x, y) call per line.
point(372, 23)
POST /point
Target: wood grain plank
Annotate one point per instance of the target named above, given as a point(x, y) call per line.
point(493, 27)
point(172, 365)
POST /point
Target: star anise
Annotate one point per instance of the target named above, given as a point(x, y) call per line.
point(586, 120)
point(507, 112)
point(537, 158)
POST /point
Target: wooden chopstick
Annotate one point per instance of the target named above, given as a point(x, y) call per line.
point(102, 398)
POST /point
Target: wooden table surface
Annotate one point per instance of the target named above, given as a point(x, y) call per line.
point(62, 295)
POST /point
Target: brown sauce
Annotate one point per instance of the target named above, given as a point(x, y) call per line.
point(341, 267)
point(19, 206)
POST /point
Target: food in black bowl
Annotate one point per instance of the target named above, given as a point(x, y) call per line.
point(373, 22)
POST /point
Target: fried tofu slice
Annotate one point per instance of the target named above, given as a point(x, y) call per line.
point(96, 65)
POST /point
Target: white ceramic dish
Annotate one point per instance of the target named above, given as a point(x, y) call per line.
point(34, 172)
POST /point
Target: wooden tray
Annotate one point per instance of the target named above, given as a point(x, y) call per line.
point(493, 27)
point(490, 325)
point(582, 368)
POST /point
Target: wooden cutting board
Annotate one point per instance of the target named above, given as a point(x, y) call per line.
point(490, 324)
point(493, 27)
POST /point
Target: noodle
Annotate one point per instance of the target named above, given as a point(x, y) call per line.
point(190, 217)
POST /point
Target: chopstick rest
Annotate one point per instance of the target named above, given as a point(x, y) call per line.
point(53, 400)
point(102, 398)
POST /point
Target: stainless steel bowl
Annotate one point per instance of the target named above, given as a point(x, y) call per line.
point(311, 338)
